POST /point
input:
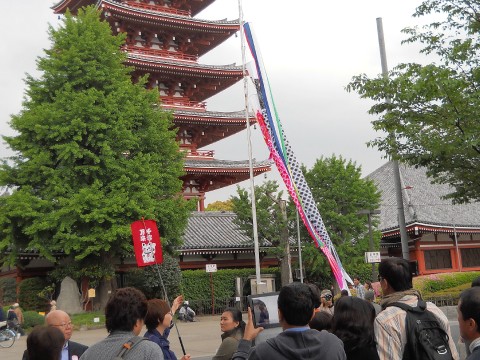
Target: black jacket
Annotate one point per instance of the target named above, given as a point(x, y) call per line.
point(290, 345)
point(73, 349)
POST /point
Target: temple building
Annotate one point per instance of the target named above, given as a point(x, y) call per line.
point(165, 41)
point(442, 237)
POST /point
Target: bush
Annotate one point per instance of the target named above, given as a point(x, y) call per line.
point(438, 282)
point(146, 279)
point(8, 291)
point(28, 291)
point(196, 283)
point(31, 319)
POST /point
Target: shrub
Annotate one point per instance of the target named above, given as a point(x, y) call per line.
point(28, 297)
point(146, 279)
point(438, 282)
point(8, 291)
point(32, 318)
point(196, 283)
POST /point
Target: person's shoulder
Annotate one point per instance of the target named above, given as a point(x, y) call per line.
point(76, 345)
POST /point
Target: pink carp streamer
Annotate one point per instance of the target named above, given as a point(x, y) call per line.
point(288, 166)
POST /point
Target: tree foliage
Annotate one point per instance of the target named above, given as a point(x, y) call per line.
point(226, 205)
point(340, 193)
point(272, 222)
point(94, 152)
point(430, 112)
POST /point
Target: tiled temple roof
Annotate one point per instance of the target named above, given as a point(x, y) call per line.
point(162, 62)
point(229, 165)
point(214, 230)
point(422, 201)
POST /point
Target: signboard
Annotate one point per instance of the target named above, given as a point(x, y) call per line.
point(372, 257)
point(211, 268)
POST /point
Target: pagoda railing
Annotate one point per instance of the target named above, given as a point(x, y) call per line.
point(160, 53)
point(201, 153)
point(157, 8)
point(182, 102)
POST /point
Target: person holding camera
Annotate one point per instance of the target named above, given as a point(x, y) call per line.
point(296, 307)
point(326, 301)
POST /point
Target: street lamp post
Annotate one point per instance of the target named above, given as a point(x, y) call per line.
point(369, 214)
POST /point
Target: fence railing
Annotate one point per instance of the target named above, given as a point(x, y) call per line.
point(204, 306)
point(447, 300)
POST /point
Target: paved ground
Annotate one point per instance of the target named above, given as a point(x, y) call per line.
point(201, 339)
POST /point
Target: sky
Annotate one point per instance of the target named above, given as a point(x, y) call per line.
point(310, 49)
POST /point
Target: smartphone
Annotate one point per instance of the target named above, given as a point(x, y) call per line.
point(264, 309)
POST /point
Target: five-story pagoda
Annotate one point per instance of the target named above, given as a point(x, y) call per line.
point(165, 40)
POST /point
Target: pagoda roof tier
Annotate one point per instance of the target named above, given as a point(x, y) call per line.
point(215, 174)
point(160, 69)
point(212, 117)
point(209, 127)
point(205, 34)
point(195, 6)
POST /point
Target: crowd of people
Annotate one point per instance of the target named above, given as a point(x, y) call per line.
point(313, 326)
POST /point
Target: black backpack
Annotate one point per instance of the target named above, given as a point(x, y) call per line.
point(425, 338)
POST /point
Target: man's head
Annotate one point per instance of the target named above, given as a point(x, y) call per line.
point(476, 282)
point(356, 280)
point(61, 321)
point(295, 305)
point(394, 275)
point(126, 310)
point(369, 295)
point(468, 311)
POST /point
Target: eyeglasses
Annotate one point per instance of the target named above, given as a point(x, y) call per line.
point(64, 325)
point(327, 297)
point(379, 277)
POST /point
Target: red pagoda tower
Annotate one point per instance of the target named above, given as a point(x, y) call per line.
point(165, 40)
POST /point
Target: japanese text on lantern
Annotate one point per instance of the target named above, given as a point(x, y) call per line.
point(148, 247)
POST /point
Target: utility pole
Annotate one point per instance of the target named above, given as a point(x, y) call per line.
point(396, 170)
point(369, 214)
point(286, 262)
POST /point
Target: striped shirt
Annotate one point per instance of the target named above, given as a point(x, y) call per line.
point(390, 332)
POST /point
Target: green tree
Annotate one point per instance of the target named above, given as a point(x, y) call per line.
point(271, 221)
point(340, 192)
point(94, 152)
point(429, 113)
point(226, 205)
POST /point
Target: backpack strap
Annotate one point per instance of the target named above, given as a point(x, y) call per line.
point(129, 345)
point(421, 306)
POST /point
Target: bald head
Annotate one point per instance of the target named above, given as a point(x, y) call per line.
point(61, 321)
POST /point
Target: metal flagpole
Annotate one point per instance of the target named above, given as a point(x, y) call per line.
point(250, 162)
point(299, 249)
point(396, 170)
point(165, 292)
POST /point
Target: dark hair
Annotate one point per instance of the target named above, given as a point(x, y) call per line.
point(397, 273)
point(344, 292)
point(476, 282)
point(296, 302)
point(157, 309)
point(124, 308)
point(356, 277)
point(469, 305)
point(45, 343)
point(316, 292)
point(321, 321)
point(237, 316)
point(353, 323)
point(369, 285)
